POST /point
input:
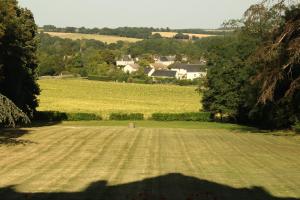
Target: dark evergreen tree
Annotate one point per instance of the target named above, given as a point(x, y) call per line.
point(18, 56)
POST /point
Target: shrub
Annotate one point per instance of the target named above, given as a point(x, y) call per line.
point(100, 78)
point(199, 116)
point(83, 117)
point(297, 127)
point(54, 116)
point(10, 114)
point(51, 116)
point(125, 116)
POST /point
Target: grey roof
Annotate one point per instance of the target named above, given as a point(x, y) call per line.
point(164, 73)
point(167, 58)
point(189, 67)
point(147, 70)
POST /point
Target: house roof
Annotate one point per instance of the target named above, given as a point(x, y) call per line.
point(147, 70)
point(126, 58)
point(164, 73)
point(134, 66)
point(189, 67)
point(167, 58)
point(158, 66)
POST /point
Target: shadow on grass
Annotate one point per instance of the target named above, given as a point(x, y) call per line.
point(11, 137)
point(168, 187)
point(35, 124)
point(250, 129)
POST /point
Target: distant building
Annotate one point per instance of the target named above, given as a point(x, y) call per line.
point(125, 60)
point(131, 68)
point(189, 71)
point(166, 60)
point(164, 74)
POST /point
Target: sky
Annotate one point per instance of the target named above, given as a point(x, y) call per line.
point(136, 13)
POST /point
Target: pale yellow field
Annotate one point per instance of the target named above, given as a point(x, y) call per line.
point(172, 34)
point(103, 38)
point(77, 95)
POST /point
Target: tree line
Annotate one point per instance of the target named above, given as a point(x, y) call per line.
point(133, 32)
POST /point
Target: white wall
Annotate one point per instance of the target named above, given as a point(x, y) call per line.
point(151, 72)
point(129, 69)
point(194, 75)
point(181, 73)
point(124, 63)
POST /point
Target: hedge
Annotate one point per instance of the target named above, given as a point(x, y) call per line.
point(297, 127)
point(125, 116)
point(199, 116)
point(53, 116)
point(100, 78)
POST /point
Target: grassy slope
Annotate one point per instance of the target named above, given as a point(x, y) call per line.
point(75, 95)
point(103, 38)
point(219, 163)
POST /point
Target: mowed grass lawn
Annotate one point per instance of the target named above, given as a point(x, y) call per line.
point(92, 162)
point(78, 95)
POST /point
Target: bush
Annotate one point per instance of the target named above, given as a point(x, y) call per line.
point(297, 127)
point(199, 116)
point(83, 117)
point(54, 116)
point(100, 78)
point(124, 116)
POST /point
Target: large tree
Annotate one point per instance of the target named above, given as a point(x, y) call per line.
point(18, 61)
point(254, 77)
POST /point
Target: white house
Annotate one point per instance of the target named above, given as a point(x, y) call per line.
point(189, 71)
point(125, 60)
point(166, 60)
point(131, 68)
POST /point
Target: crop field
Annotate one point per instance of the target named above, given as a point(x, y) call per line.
point(172, 34)
point(69, 162)
point(103, 38)
point(78, 95)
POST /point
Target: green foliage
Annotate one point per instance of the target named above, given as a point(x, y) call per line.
point(181, 36)
point(165, 47)
point(99, 78)
point(10, 114)
point(239, 66)
point(199, 116)
point(18, 61)
point(125, 116)
point(297, 127)
point(53, 116)
point(84, 57)
point(83, 117)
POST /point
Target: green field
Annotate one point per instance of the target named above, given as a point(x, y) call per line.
point(75, 161)
point(78, 95)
